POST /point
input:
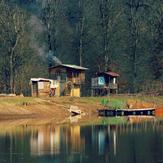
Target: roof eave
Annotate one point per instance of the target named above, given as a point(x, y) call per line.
point(69, 66)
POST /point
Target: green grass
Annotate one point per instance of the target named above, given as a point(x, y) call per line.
point(121, 101)
point(117, 104)
point(113, 120)
point(17, 100)
point(106, 121)
point(114, 103)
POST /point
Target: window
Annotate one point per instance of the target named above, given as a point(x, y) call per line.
point(63, 76)
point(75, 74)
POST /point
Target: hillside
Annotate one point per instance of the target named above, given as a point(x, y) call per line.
point(122, 36)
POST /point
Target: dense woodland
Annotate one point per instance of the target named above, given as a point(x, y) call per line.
point(125, 36)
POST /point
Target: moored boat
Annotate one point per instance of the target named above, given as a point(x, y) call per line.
point(126, 112)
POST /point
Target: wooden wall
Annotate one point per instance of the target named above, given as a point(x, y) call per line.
point(41, 89)
point(75, 92)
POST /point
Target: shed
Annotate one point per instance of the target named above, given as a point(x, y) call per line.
point(41, 87)
point(104, 83)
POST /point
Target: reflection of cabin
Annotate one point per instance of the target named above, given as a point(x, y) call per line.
point(41, 87)
point(45, 140)
point(70, 78)
point(104, 83)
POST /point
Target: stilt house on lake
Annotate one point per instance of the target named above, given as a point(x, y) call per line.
point(104, 83)
point(70, 79)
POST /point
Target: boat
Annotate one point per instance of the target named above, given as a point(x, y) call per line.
point(126, 112)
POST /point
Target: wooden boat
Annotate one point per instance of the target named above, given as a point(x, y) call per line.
point(74, 110)
point(126, 112)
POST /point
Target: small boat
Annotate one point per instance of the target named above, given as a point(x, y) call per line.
point(126, 112)
point(74, 110)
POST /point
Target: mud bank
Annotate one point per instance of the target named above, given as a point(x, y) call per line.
point(35, 111)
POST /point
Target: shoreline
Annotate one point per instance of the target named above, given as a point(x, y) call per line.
point(35, 111)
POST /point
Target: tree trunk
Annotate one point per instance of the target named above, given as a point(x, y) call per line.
point(104, 24)
point(11, 71)
point(11, 65)
point(81, 42)
point(81, 31)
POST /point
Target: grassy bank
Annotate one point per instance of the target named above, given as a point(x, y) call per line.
point(55, 110)
point(68, 100)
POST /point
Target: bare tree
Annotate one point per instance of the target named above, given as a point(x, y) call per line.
point(12, 24)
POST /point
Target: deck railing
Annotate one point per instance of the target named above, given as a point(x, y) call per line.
point(110, 86)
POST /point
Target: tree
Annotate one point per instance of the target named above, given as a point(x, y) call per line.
point(136, 11)
point(81, 29)
point(12, 22)
point(110, 13)
point(157, 40)
point(49, 18)
point(17, 52)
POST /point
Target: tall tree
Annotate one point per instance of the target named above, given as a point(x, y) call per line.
point(157, 43)
point(110, 15)
point(49, 18)
point(12, 21)
point(81, 29)
point(135, 11)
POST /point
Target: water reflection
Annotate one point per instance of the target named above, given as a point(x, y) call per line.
point(137, 119)
point(141, 142)
point(74, 119)
point(48, 140)
point(45, 140)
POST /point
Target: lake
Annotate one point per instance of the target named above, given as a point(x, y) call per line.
point(121, 143)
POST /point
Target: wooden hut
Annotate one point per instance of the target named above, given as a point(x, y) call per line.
point(104, 83)
point(69, 77)
point(41, 87)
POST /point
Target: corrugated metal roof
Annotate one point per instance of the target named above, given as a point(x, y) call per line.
point(71, 66)
point(112, 74)
point(40, 79)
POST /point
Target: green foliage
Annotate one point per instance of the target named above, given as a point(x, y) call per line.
point(17, 57)
point(105, 102)
point(117, 104)
point(113, 103)
point(121, 35)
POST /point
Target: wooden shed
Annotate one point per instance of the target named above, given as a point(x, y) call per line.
point(41, 87)
point(104, 83)
point(70, 78)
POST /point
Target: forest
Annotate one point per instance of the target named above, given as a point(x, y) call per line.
point(125, 36)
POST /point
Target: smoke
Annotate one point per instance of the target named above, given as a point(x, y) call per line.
point(56, 60)
point(37, 32)
point(36, 24)
point(53, 59)
point(38, 41)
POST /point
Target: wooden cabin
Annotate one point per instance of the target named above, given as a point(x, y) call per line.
point(104, 84)
point(41, 87)
point(69, 77)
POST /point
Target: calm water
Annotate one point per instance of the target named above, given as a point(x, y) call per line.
point(110, 143)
